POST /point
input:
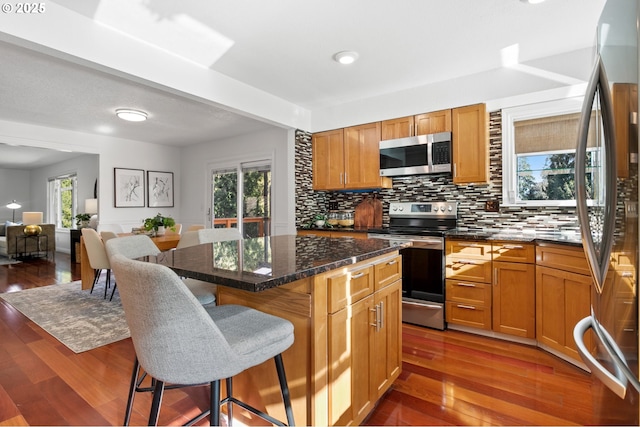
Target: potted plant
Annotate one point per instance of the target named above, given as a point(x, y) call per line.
point(82, 220)
point(158, 223)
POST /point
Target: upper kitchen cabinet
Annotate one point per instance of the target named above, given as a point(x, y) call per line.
point(423, 124)
point(470, 144)
point(625, 113)
point(348, 159)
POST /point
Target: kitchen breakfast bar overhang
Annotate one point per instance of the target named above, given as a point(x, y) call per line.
point(343, 297)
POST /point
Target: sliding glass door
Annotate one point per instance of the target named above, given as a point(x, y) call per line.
point(243, 191)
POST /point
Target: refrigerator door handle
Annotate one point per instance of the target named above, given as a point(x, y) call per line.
point(598, 258)
point(618, 382)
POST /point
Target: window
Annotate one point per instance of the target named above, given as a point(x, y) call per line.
point(63, 200)
point(243, 192)
point(538, 149)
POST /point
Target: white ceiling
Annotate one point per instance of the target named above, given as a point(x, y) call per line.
point(281, 47)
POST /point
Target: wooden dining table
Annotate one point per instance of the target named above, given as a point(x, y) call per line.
point(164, 243)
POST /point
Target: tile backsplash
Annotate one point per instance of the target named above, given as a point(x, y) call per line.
point(472, 199)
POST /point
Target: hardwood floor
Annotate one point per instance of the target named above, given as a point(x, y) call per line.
point(448, 378)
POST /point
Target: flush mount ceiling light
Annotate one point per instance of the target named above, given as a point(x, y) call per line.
point(131, 115)
point(346, 57)
point(532, 1)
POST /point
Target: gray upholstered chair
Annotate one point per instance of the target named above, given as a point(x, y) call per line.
point(138, 246)
point(98, 259)
point(204, 346)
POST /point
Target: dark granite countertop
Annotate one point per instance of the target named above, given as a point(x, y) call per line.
point(338, 229)
point(262, 263)
point(566, 238)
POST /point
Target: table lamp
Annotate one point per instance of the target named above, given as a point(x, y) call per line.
point(31, 220)
point(13, 205)
point(91, 207)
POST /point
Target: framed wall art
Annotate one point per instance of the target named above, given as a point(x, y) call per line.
point(160, 189)
point(128, 188)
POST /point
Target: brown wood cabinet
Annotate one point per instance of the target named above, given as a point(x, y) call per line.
point(625, 113)
point(348, 158)
point(365, 347)
point(563, 297)
point(422, 124)
point(470, 144)
point(514, 284)
point(468, 283)
point(348, 343)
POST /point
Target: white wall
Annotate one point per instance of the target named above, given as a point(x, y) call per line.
point(197, 160)
point(14, 185)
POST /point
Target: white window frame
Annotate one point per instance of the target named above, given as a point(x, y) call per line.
point(53, 197)
point(509, 160)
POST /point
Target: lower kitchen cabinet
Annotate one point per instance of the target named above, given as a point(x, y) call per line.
point(563, 298)
point(365, 346)
point(514, 289)
point(387, 349)
point(514, 299)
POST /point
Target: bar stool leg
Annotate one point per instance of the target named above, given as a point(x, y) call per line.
point(214, 417)
point(229, 402)
point(285, 389)
point(132, 392)
point(155, 404)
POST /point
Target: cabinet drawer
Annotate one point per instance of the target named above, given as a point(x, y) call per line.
point(468, 249)
point(514, 252)
point(562, 258)
point(475, 270)
point(347, 288)
point(387, 271)
point(475, 316)
point(468, 292)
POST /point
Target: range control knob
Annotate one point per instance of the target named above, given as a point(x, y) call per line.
point(441, 208)
point(450, 209)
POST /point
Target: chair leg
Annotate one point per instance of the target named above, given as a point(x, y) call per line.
point(115, 285)
point(155, 404)
point(214, 417)
point(107, 283)
point(229, 402)
point(132, 391)
point(285, 389)
point(96, 274)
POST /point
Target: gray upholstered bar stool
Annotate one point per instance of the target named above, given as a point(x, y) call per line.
point(204, 346)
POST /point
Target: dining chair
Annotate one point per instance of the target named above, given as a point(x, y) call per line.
point(205, 346)
point(98, 259)
point(139, 246)
point(106, 235)
point(176, 229)
point(195, 227)
point(189, 238)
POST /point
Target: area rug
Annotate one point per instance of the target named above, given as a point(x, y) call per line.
point(80, 320)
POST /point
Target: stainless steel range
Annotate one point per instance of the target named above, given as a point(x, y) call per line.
point(423, 225)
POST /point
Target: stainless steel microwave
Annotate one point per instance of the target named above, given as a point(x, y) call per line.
point(416, 155)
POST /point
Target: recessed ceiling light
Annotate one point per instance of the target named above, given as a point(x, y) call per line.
point(346, 57)
point(131, 115)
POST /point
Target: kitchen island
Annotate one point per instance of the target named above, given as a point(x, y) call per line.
point(343, 297)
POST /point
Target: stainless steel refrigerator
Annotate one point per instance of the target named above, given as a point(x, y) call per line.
point(607, 207)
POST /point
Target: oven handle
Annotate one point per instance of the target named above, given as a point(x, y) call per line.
point(436, 307)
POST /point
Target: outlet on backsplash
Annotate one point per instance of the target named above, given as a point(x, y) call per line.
point(333, 206)
point(492, 206)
